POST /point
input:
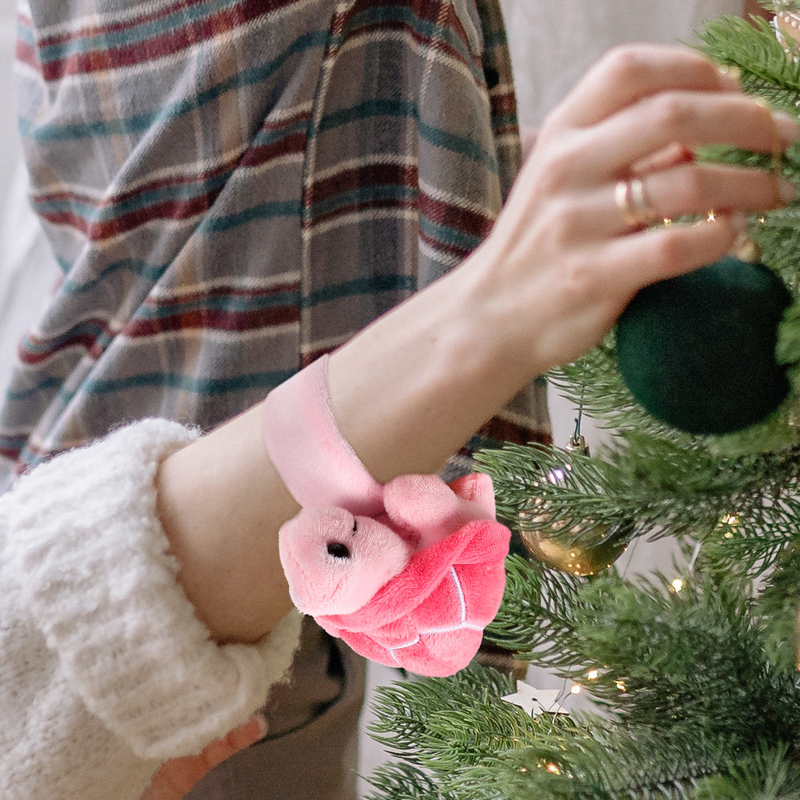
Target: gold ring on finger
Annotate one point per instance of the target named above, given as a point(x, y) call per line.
point(635, 205)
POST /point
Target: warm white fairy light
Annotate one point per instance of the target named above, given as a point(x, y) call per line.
point(554, 769)
point(593, 674)
point(621, 685)
point(576, 688)
point(712, 216)
point(730, 522)
point(677, 585)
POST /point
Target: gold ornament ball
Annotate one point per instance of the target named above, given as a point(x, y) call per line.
point(581, 550)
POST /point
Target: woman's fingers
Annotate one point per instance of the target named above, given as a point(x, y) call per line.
point(643, 258)
point(176, 778)
point(697, 189)
point(626, 75)
point(670, 156)
point(653, 135)
point(690, 120)
point(688, 189)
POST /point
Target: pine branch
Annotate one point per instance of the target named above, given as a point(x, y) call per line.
point(778, 6)
point(778, 606)
point(753, 546)
point(537, 617)
point(600, 762)
point(643, 768)
point(404, 782)
point(767, 774)
point(594, 384)
point(442, 729)
point(432, 723)
point(649, 487)
point(699, 693)
point(754, 49)
point(695, 660)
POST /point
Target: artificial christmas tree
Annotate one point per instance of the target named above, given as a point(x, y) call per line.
point(695, 681)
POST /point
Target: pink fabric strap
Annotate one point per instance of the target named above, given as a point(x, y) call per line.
point(317, 465)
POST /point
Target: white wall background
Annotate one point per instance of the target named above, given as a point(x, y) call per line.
point(27, 269)
point(553, 42)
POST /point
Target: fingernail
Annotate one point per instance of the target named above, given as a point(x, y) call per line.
point(787, 191)
point(787, 127)
point(731, 77)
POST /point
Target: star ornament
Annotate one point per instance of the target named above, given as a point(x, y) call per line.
point(536, 701)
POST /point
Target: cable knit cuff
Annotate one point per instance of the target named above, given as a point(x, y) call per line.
point(93, 567)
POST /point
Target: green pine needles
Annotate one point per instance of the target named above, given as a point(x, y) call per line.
point(695, 685)
point(686, 689)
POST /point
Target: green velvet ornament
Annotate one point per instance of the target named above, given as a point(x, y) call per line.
point(698, 351)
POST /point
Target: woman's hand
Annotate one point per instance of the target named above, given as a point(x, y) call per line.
point(562, 261)
point(178, 777)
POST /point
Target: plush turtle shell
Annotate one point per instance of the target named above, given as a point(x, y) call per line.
point(430, 618)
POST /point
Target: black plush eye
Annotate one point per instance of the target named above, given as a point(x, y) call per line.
point(338, 550)
point(355, 526)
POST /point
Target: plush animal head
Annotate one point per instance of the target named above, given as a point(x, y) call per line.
point(335, 562)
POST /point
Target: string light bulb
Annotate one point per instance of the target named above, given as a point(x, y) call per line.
point(554, 769)
point(677, 585)
point(593, 674)
point(730, 522)
point(576, 688)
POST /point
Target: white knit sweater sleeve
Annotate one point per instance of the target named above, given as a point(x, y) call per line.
point(105, 670)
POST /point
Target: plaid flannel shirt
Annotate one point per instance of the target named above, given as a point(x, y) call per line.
point(234, 187)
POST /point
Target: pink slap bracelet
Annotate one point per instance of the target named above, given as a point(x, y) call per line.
point(317, 465)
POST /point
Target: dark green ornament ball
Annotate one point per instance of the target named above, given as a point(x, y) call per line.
point(698, 351)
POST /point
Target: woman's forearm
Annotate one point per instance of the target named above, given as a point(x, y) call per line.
point(407, 393)
point(558, 268)
point(221, 505)
point(412, 388)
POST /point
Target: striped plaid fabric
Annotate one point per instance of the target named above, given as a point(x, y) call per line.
point(234, 187)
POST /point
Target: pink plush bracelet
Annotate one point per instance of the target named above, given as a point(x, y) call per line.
point(317, 465)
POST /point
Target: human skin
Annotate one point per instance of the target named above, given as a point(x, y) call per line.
point(548, 283)
point(177, 777)
point(753, 7)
